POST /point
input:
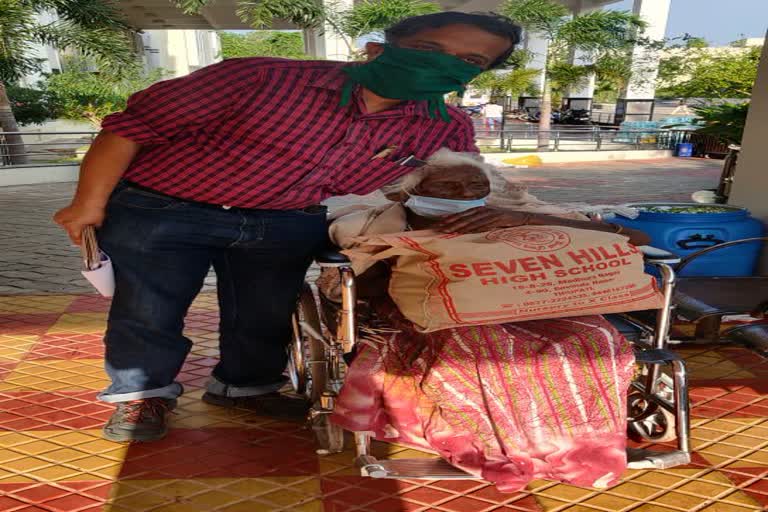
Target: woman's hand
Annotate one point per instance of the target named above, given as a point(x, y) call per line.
point(480, 220)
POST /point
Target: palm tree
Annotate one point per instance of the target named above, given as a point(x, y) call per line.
point(94, 28)
point(365, 17)
point(596, 34)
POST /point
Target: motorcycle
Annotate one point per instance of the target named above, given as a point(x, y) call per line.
point(576, 116)
point(472, 110)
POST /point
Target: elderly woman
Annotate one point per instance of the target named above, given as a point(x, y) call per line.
point(510, 402)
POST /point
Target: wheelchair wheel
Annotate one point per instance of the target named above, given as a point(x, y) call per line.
point(307, 366)
point(647, 421)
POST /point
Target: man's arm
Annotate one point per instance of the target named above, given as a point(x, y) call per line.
point(153, 116)
point(103, 165)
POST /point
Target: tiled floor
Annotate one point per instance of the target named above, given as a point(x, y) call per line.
point(52, 457)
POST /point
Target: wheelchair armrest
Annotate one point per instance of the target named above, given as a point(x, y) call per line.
point(331, 257)
point(656, 256)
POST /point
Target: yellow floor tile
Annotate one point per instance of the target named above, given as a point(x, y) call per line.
point(633, 490)
point(14, 348)
point(565, 492)
point(609, 502)
point(757, 458)
point(80, 323)
point(35, 304)
point(6, 456)
point(652, 507)
point(56, 375)
point(259, 487)
point(249, 506)
point(7, 477)
point(659, 479)
point(205, 302)
point(311, 506)
point(728, 507)
point(725, 454)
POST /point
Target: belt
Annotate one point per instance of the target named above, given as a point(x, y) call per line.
point(315, 208)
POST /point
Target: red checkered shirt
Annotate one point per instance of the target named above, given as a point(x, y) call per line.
point(269, 133)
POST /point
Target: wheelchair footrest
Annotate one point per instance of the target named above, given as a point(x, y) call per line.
point(641, 458)
point(429, 469)
point(655, 356)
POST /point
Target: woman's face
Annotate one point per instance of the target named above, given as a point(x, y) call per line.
point(461, 182)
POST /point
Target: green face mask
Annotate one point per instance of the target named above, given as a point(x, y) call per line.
point(405, 74)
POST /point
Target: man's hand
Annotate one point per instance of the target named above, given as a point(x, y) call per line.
point(482, 219)
point(75, 217)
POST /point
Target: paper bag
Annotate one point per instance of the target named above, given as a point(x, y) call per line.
point(97, 267)
point(510, 275)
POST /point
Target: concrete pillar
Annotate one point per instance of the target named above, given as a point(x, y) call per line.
point(645, 62)
point(324, 42)
point(750, 184)
point(585, 91)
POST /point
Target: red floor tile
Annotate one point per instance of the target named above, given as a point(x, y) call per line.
point(459, 485)
point(9, 504)
point(68, 346)
point(59, 497)
point(426, 495)
point(702, 393)
point(393, 505)
point(492, 494)
point(208, 320)
point(6, 367)
point(353, 496)
point(335, 506)
point(72, 502)
point(221, 453)
point(27, 324)
point(466, 504)
point(50, 411)
point(196, 371)
point(89, 304)
point(757, 490)
point(523, 504)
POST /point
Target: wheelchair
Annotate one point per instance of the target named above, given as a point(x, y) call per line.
point(657, 402)
point(704, 301)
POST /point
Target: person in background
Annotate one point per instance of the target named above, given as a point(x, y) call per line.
point(493, 114)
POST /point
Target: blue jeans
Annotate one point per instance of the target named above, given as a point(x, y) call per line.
point(162, 249)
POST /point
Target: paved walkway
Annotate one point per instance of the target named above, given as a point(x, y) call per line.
point(36, 257)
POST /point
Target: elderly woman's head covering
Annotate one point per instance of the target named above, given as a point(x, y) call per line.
point(503, 192)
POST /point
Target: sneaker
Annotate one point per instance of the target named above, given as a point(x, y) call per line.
point(275, 405)
point(139, 420)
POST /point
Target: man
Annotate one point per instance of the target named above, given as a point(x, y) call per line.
point(227, 167)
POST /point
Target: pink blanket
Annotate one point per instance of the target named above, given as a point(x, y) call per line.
point(509, 403)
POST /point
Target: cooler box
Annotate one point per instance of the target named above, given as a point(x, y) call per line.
point(685, 228)
point(685, 150)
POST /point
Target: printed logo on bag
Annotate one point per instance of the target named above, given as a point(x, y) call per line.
point(533, 239)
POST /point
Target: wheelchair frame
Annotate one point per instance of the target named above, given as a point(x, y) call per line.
point(317, 368)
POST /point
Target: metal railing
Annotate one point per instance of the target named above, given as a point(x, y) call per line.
point(522, 138)
point(37, 149)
